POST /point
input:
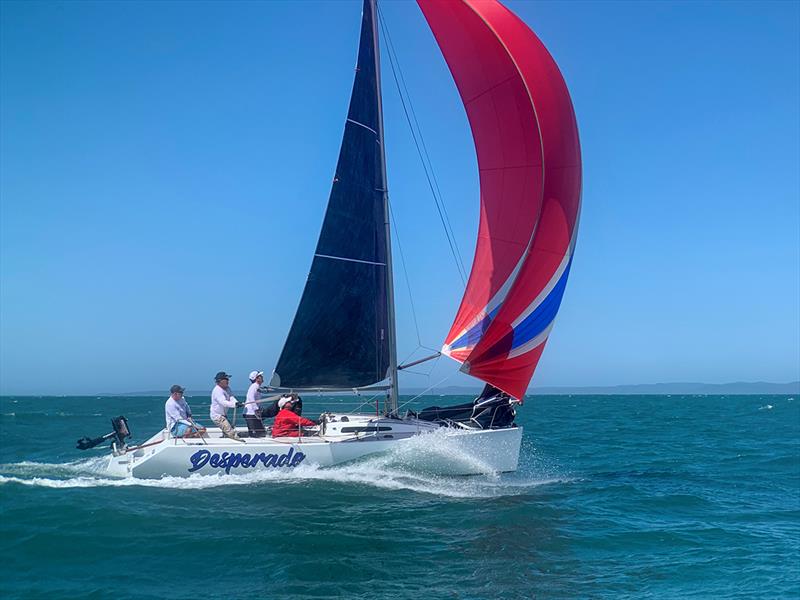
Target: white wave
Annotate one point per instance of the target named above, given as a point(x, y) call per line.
point(94, 465)
point(360, 474)
point(193, 482)
point(414, 467)
point(766, 407)
point(378, 476)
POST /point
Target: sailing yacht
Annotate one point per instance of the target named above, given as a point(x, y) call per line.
point(343, 336)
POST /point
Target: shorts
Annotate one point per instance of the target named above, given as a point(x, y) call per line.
point(181, 429)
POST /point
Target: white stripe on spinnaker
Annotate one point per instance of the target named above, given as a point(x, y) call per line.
point(495, 301)
point(550, 284)
point(528, 346)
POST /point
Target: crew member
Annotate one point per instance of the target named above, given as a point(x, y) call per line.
point(252, 408)
point(179, 415)
point(221, 401)
point(288, 422)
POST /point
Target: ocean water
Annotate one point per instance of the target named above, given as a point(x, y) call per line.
point(616, 497)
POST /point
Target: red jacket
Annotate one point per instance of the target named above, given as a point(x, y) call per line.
point(287, 423)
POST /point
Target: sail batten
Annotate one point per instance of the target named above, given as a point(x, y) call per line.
point(528, 153)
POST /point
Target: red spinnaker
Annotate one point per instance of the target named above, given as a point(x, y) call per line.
point(526, 140)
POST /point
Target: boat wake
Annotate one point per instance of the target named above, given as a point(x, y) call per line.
point(420, 466)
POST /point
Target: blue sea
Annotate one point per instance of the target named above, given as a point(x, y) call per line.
point(616, 497)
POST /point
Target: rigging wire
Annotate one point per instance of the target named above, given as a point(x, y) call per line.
point(417, 372)
point(425, 391)
point(365, 403)
point(405, 272)
point(418, 139)
point(393, 52)
point(436, 193)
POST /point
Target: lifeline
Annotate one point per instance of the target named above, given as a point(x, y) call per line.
point(230, 460)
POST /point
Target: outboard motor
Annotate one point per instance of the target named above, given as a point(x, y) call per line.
point(121, 433)
point(118, 437)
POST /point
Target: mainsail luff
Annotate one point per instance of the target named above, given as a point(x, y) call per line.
point(394, 389)
point(341, 335)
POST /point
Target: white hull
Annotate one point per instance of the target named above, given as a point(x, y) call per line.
point(416, 444)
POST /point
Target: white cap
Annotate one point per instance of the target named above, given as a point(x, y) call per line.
point(283, 402)
point(254, 374)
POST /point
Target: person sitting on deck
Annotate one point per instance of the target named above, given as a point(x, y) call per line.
point(287, 421)
point(179, 415)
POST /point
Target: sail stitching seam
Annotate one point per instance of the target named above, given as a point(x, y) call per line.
point(495, 86)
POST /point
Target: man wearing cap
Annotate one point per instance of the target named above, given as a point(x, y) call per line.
point(287, 421)
point(179, 415)
point(221, 401)
point(252, 408)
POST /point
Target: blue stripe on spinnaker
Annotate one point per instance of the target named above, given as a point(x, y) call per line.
point(536, 322)
point(474, 333)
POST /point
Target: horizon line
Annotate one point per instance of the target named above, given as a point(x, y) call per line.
point(794, 387)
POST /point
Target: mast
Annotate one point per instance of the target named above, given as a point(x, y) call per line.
point(392, 393)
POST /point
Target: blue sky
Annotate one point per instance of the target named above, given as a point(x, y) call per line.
point(164, 168)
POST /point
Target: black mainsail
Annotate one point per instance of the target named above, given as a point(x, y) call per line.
point(342, 336)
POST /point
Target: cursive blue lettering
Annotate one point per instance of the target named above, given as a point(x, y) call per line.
point(199, 460)
point(232, 460)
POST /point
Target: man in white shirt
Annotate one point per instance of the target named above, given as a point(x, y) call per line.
point(179, 415)
point(252, 408)
point(221, 401)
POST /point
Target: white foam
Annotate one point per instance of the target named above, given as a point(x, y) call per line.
point(95, 465)
point(437, 452)
point(415, 467)
point(766, 407)
point(193, 482)
point(361, 474)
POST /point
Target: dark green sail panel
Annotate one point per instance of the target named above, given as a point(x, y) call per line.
point(339, 337)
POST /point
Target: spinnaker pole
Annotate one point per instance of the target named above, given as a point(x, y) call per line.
point(392, 393)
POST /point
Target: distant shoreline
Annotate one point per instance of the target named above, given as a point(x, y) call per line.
point(740, 388)
point(681, 389)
